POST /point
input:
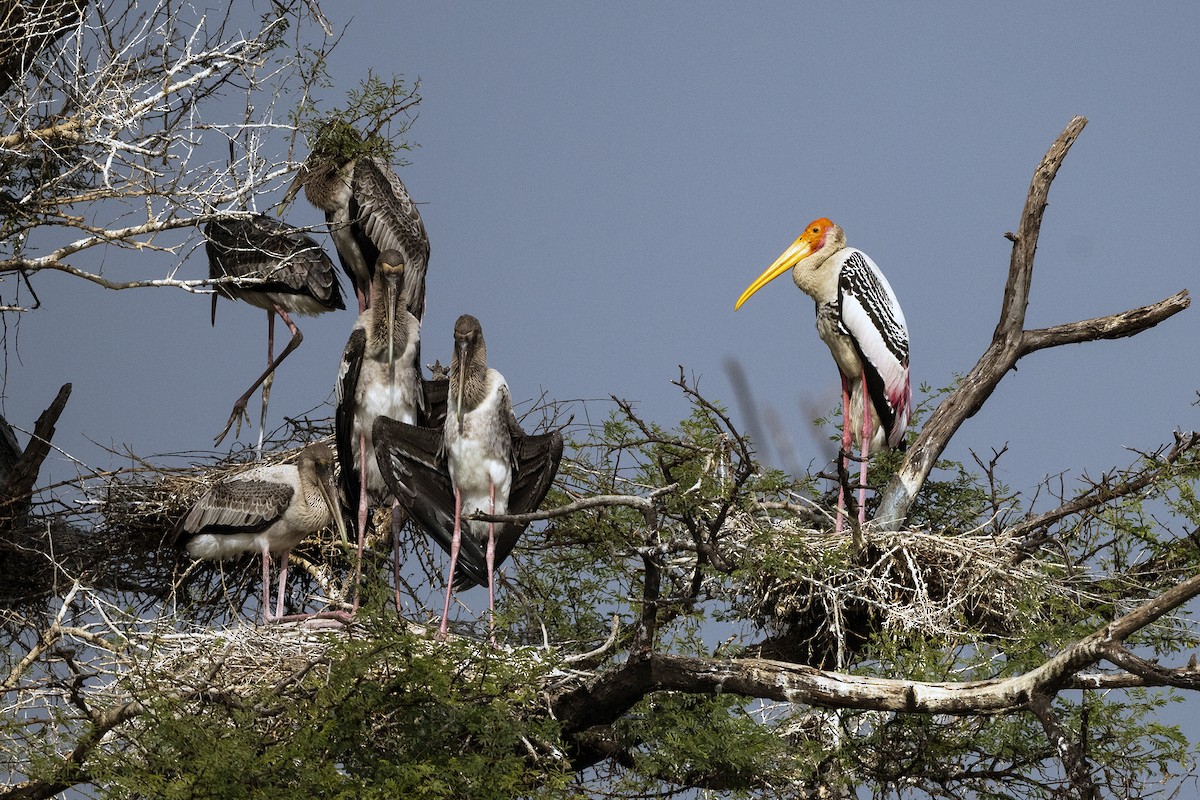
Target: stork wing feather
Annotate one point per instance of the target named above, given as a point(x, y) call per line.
point(437, 397)
point(871, 316)
point(291, 261)
point(537, 458)
point(237, 506)
point(343, 417)
point(410, 461)
point(386, 215)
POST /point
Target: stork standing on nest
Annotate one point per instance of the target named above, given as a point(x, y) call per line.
point(860, 320)
point(480, 461)
point(380, 376)
point(268, 509)
point(368, 210)
point(295, 273)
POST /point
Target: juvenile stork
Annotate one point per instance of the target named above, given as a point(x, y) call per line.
point(268, 509)
point(860, 320)
point(480, 461)
point(368, 210)
point(380, 375)
point(296, 275)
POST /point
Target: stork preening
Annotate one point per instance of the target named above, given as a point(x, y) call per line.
point(380, 376)
point(296, 275)
point(368, 210)
point(268, 509)
point(480, 461)
point(860, 320)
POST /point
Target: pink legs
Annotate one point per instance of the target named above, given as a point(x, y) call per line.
point(866, 450)
point(363, 511)
point(847, 438)
point(239, 405)
point(845, 451)
point(396, 552)
point(266, 576)
point(455, 543)
point(266, 604)
point(491, 565)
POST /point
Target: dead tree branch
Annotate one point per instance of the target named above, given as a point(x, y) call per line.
point(607, 697)
point(16, 489)
point(1011, 341)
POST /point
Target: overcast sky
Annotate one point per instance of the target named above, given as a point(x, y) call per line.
point(601, 181)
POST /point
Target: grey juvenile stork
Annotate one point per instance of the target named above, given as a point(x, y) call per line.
point(268, 509)
point(368, 210)
point(480, 461)
point(297, 277)
point(380, 375)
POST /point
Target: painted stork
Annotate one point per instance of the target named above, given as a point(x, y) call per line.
point(860, 320)
point(267, 509)
point(368, 210)
point(480, 461)
point(380, 375)
point(297, 277)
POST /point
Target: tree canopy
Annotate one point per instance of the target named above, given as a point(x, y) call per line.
point(679, 619)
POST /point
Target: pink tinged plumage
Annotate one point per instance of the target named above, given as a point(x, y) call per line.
point(860, 320)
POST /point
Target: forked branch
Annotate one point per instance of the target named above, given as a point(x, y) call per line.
point(1011, 341)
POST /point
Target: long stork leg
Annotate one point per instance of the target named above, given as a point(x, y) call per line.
point(363, 512)
point(845, 450)
point(396, 523)
point(455, 543)
point(267, 384)
point(239, 405)
point(283, 567)
point(866, 451)
point(266, 603)
point(491, 565)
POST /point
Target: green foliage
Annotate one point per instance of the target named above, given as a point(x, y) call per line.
point(392, 716)
point(704, 741)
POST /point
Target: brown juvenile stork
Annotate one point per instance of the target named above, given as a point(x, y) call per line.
point(480, 461)
point(267, 509)
point(380, 375)
point(295, 275)
point(860, 320)
point(368, 210)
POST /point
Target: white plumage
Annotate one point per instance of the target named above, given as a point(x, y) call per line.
point(860, 319)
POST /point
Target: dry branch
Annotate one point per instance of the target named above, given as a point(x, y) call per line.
point(606, 698)
point(1011, 341)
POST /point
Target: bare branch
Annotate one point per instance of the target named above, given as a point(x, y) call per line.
point(644, 504)
point(1010, 341)
point(607, 697)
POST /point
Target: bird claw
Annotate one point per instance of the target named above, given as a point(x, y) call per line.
point(239, 411)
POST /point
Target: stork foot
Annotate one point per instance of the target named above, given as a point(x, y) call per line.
point(238, 413)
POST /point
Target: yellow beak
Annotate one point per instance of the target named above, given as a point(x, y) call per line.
point(800, 249)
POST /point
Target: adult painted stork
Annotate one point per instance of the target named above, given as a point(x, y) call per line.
point(368, 210)
point(860, 320)
point(297, 277)
point(479, 461)
point(267, 509)
point(380, 375)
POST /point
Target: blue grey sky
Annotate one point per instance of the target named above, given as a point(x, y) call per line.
point(601, 181)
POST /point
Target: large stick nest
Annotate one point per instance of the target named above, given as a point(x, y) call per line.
point(821, 600)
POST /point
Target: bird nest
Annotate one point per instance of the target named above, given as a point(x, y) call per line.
point(822, 598)
point(146, 500)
